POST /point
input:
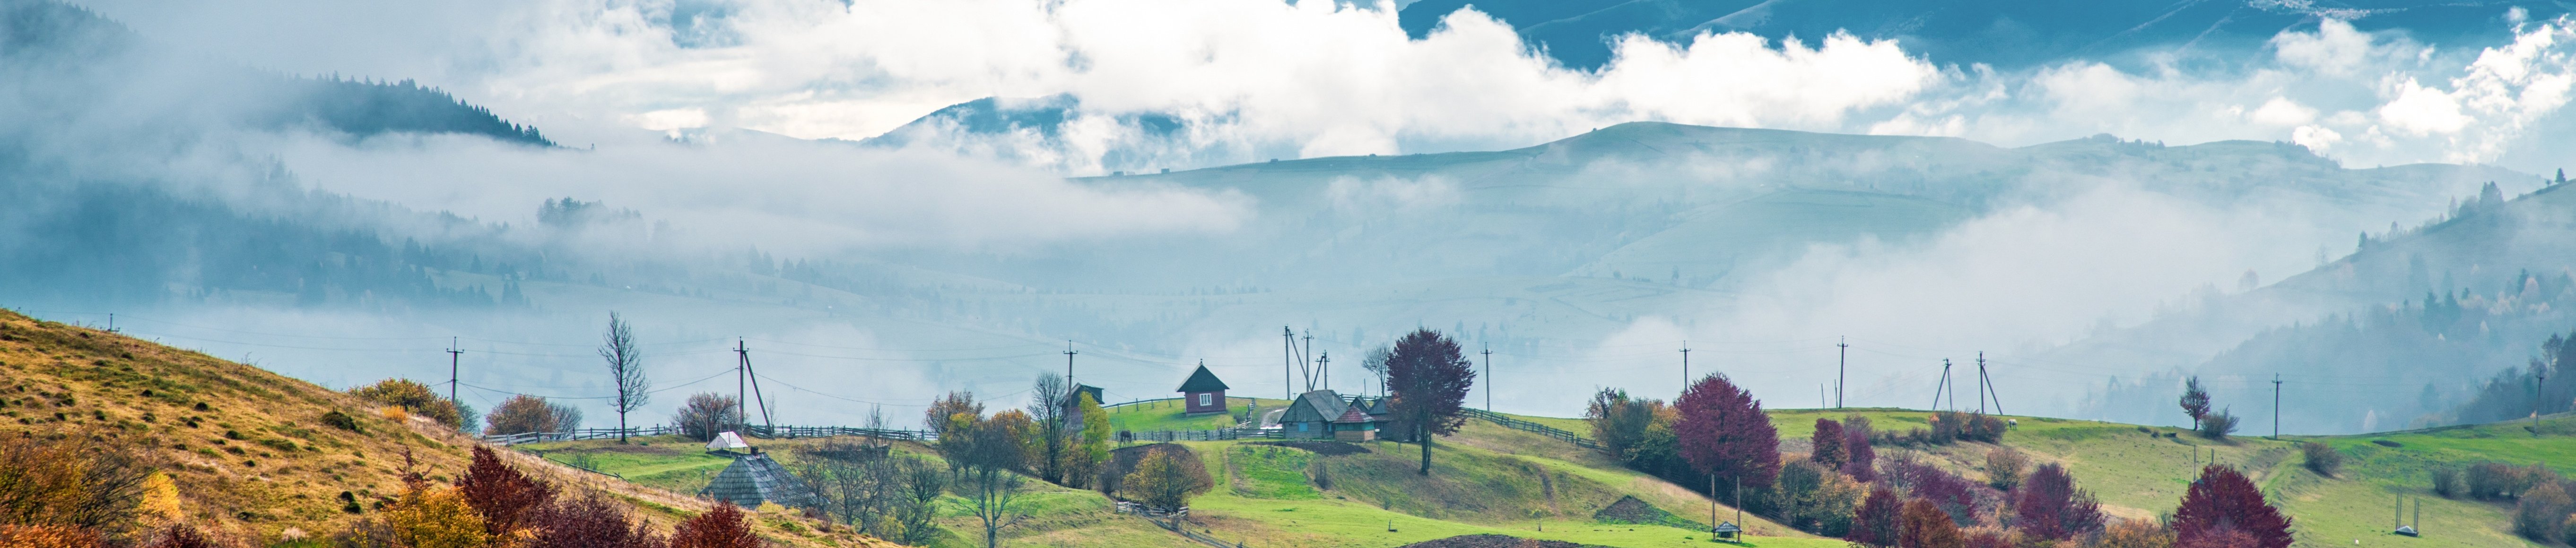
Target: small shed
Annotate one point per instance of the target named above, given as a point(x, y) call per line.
point(1203, 393)
point(1355, 425)
point(1312, 415)
point(754, 478)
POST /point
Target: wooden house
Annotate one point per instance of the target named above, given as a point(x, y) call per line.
point(1312, 415)
point(1203, 394)
point(1355, 425)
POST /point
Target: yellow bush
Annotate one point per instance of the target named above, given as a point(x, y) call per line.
point(161, 500)
point(394, 413)
point(47, 536)
point(435, 517)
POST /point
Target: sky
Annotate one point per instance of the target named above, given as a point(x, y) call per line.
point(706, 116)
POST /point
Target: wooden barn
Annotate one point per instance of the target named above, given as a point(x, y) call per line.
point(1203, 394)
point(754, 478)
point(1323, 414)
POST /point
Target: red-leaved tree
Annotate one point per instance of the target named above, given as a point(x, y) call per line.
point(1828, 442)
point(1876, 523)
point(723, 527)
point(1430, 381)
point(1725, 435)
point(507, 499)
point(2048, 505)
point(1924, 525)
point(1859, 460)
point(2222, 505)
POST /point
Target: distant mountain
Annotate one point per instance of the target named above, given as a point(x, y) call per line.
point(76, 60)
point(2008, 34)
point(2397, 334)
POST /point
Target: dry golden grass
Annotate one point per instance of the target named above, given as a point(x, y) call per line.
point(247, 449)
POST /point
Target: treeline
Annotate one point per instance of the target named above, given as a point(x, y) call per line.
point(2544, 386)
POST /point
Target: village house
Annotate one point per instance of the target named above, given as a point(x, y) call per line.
point(1203, 394)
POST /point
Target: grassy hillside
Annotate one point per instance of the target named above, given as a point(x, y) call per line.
point(2138, 473)
point(1172, 415)
point(247, 448)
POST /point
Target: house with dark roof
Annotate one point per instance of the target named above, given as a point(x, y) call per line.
point(1203, 393)
point(1325, 415)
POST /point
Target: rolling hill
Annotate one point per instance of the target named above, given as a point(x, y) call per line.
point(250, 452)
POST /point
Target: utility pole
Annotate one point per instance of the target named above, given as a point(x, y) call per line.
point(1944, 387)
point(1287, 364)
point(111, 328)
point(1325, 364)
point(1489, 376)
point(1842, 368)
point(1068, 365)
point(452, 354)
point(2276, 406)
point(2539, 386)
point(1989, 383)
point(1685, 366)
point(754, 375)
point(741, 380)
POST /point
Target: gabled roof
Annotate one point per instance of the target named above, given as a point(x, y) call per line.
point(726, 440)
point(1379, 406)
point(1353, 415)
point(1202, 381)
point(753, 479)
point(1316, 406)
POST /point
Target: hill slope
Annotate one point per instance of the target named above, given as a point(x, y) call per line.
point(248, 449)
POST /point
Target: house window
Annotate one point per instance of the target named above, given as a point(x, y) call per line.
point(1204, 400)
point(1301, 427)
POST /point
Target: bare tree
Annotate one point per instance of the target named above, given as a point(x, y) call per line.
point(626, 366)
point(1046, 408)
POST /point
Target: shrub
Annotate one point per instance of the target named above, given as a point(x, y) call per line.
point(1166, 479)
point(523, 414)
point(2049, 506)
point(434, 517)
point(2322, 458)
point(48, 536)
point(722, 527)
point(2494, 481)
point(45, 481)
point(506, 499)
point(1814, 499)
point(2003, 468)
point(2446, 481)
point(1860, 460)
point(1923, 523)
point(1828, 443)
point(1877, 521)
point(2223, 505)
point(413, 397)
point(591, 522)
point(343, 421)
point(183, 536)
point(2542, 514)
point(2136, 533)
point(2218, 425)
point(706, 414)
point(1983, 428)
point(1618, 421)
point(1956, 496)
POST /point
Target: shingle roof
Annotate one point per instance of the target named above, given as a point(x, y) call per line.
point(1316, 406)
point(753, 479)
point(1202, 381)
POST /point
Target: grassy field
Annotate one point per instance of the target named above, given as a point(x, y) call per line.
point(1489, 479)
point(1171, 415)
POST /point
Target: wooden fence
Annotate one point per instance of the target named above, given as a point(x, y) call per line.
point(757, 431)
point(1527, 426)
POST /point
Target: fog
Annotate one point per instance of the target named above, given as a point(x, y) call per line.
point(714, 147)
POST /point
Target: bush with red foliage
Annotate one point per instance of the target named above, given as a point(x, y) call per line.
point(1876, 523)
point(591, 522)
point(2223, 506)
point(1924, 525)
point(2048, 505)
point(723, 527)
point(1960, 498)
point(1989, 538)
point(507, 500)
point(1859, 460)
point(1724, 433)
point(1828, 443)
